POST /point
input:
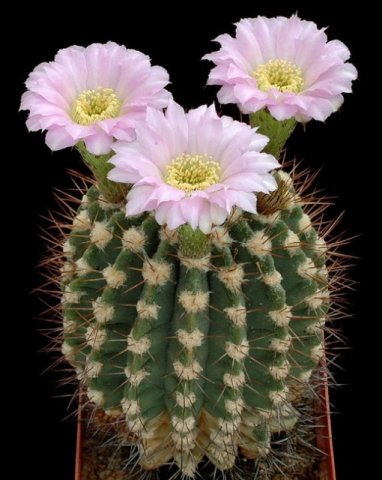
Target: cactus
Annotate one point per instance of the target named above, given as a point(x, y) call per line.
point(201, 341)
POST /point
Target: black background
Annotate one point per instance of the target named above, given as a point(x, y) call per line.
point(176, 38)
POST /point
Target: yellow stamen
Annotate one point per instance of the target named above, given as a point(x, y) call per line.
point(280, 74)
point(193, 172)
point(94, 105)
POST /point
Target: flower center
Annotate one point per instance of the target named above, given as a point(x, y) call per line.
point(280, 74)
point(94, 105)
point(193, 172)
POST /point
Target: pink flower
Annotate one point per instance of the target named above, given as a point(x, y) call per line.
point(94, 94)
point(192, 167)
point(283, 64)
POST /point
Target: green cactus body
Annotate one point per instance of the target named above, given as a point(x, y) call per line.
point(200, 354)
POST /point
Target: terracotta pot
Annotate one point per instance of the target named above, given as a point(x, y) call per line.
point(324, 440)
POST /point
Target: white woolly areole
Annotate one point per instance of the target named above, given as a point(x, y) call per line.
point(69, 326)
point(190, 340)
point(85, 200)
point(95, 396)
point(114, 278)
point(237, 315)
point(291, 243)
point(279, 372)
point(317, 353)
point(234, 381)
point(147, 310)
point(202, 263)
point(317, 299)
point(234, 407)
point(229, 426)
point(305, 375)
point(232, 277)
point(135, 378)
point(92, 369)
point(82, 221)
point(183, 441)
point(183, 425)
point(134, 239)
point(223, 456)
point(69, 296)
point(281, 345)
point(68, 351)
point(95, 337)
point(185, 400)
point(221, 439)
point(272, 279)
point(156, 273)
point(279, 396)
point(166, 233)
point(130, 407)
point(317, 327)
point(321, 245)
point(103, 312)
point(100, 235)
point(82, 267)
point(135, 425)
point(189, 372)
point(323, 274)
point(139, 347)
point(68, 249)
point(268, 219)
point(304, 223)
point(259, 244)
point(237, 352)
point(220, 237)
point(194, 302)
point(67, 271)
point(307, 269)
point(281, 317)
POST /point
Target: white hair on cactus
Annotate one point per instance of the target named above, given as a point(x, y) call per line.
point(187, 372)
point(281, 345)
point(304, 223)
point(237, 315)
point(130, 407)
point(194, 302)
point(82, 267)
point(220, 237)
point(95, 336)
point(232, 277)
point(139, 347)
point(259, 244)
point(70, 296)
point(135, 378)
point(237, 352)
point(114, 278)
point(278, 396)
point(92, 369)
point(234, 381)
point(171, 236)
point(202, 263)
point(82, 221)
point(190, 340)
point(183, 425)
point(279, 372)
point(317, 353)
point(234, 407)
point(281, 317)
point(134, 239)
point(185, 400)
point(96, 397)
point(307, 269)
point(183, 441)
point(291, 243)
point(147, 310)
point(103, 312)
point(156, 273)
point(100, 235)
point(272, 279)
